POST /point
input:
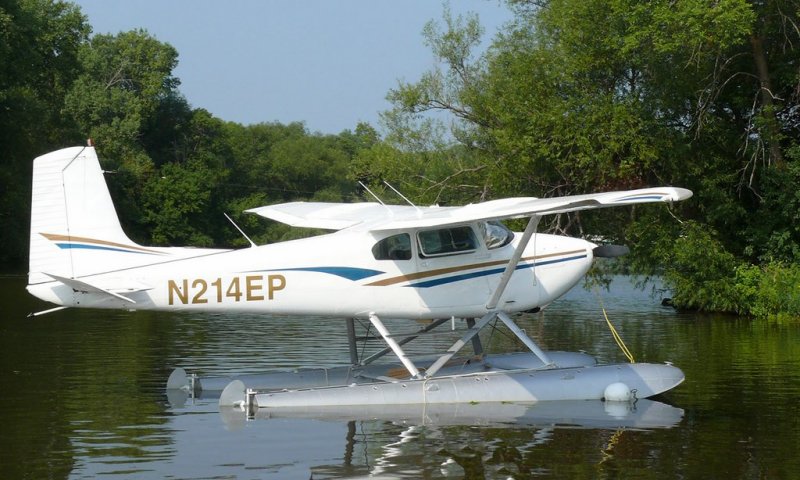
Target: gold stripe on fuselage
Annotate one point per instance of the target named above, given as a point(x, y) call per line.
point(69, 238)
point(442, 271)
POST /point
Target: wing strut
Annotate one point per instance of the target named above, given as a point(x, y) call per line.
point(530, 230)
point(514, 261)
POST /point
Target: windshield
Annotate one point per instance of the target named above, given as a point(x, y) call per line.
point(495, 234)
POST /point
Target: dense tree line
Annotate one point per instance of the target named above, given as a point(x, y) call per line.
point(572, 96)
point(577, 96)
point(173, 169)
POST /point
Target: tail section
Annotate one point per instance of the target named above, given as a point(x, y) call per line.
point(74, 228)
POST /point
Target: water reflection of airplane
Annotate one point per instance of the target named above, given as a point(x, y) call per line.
point(400, 438)
point(644, 414)
point(449, 264)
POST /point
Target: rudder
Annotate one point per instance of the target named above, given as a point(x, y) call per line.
point(72, 214)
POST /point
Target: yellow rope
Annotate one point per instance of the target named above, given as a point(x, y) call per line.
point(608, 451)
point(617, 337)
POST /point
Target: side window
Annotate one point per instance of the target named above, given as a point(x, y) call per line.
point(447, 241)
point(495, 234)
point(396, 247)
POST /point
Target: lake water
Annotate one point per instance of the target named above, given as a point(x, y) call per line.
point(83, 397)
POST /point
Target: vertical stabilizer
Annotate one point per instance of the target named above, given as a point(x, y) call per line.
point(74, 227)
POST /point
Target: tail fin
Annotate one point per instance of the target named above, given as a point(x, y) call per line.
point(74, 227)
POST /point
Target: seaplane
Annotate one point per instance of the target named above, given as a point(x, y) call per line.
point(429, 265)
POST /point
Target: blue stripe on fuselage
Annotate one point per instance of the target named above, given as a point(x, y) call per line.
point(350, 273)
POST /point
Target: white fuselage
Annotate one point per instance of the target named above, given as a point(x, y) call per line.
point(335, 274)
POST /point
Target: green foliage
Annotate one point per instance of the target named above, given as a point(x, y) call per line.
point(685, 93)
point(125, 77)
point(39, 42)
point(445, 177)
point(702, 273)
point(704, 96)
point(704, 276)
point(173, 205)
point(771, 291)
point(124, 87)
point(775, 236)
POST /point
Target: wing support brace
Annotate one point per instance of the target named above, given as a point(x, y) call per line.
point(513, 262)
point(533, 223)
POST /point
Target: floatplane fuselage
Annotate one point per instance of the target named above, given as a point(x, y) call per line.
point(415, 273)
point(331, 275)
point(381, 261)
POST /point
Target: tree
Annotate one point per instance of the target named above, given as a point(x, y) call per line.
point(125, 78)
point(685, 93)
point(125, 85)
point(183, 202)
point(39, 43)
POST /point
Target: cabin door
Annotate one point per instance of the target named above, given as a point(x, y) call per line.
point(452, 267)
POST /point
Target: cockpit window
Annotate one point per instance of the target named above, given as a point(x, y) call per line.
point(495, 234)
point(396, 247)
point(447, 241)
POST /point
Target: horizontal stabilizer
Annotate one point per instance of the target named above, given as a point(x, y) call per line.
point(81, 286)
point(611, 251)
point(45, 312)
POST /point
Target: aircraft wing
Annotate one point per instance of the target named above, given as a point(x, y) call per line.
point(377, 217)
point(331, 216)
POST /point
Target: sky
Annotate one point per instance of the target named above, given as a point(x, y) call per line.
point(326, 63)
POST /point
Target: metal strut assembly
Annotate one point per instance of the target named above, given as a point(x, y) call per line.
point(530, 231)
point(525, 339)
point(406, 339)
point(474, 328)
point(397, 349)
point(469, 335)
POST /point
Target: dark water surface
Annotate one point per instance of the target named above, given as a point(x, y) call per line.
point(83, 397)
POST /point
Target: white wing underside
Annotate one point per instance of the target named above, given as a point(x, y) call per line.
point(376, 217)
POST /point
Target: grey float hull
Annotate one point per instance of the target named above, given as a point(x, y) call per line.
point(504, 378)
point(209, 387)
point(580, 383)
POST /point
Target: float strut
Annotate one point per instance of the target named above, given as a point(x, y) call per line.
point(525, 339)
point(398, 351)
point(477, 346)
point(407, 339)
point(351, 341)
point(471, 333)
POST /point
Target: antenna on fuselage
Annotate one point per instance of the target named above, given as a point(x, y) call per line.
point(252, 243)
point(376, 197)
point(371, 193)
point(402, 196)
